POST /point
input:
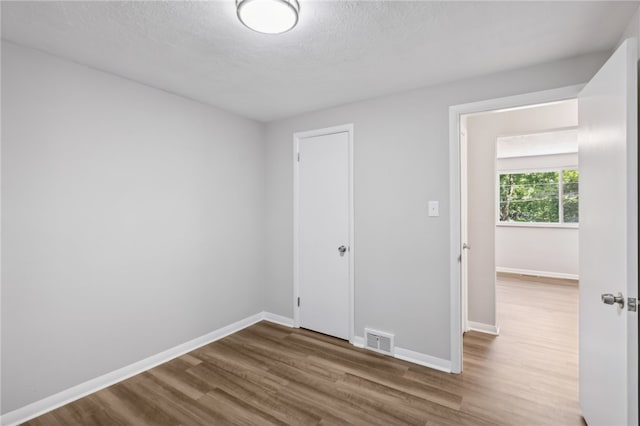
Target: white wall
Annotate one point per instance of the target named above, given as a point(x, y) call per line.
point(633, 29)
point(401, 157)
point(482, 131)
point(132, 221)
point(551, 251)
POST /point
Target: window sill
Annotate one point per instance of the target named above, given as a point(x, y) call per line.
point(537, 225)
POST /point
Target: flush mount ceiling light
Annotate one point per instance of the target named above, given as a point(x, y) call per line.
point(268, 16)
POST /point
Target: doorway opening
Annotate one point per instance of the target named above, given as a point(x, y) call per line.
point(520, 202)
point(520, 261)
point(458, 119)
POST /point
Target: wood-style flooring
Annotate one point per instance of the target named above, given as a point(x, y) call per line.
point(272, 375)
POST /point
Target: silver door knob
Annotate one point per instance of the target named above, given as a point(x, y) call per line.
point(466, 246)
point(342, 250)
point(610, 299)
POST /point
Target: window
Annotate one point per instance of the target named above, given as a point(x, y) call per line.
point(570, 196)
point(539, 197)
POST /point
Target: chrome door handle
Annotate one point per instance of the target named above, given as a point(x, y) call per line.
point(342, 250)
point(610, 299)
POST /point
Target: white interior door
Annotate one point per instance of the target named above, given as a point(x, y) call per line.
point(607, 113)
point(323, 234)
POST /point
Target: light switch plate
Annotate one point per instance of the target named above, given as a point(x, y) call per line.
point(434, 208)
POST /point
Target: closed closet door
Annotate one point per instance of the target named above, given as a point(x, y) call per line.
point(323, 233)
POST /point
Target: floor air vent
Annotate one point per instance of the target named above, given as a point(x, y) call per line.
point(378, 341)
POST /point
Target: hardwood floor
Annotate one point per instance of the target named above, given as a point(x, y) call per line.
point(268, 374)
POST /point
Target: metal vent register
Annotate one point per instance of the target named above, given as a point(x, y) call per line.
point(378, 341)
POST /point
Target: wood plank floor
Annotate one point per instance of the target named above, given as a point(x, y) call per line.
point(273, 375)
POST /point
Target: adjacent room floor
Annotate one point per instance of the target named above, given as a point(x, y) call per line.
point(270, 374)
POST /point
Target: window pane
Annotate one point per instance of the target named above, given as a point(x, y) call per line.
point(529, 197)
point(570, 195)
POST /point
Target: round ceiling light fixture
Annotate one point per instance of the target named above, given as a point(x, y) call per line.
point(268, 16)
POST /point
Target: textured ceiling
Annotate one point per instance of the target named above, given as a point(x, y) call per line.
point(340, 52)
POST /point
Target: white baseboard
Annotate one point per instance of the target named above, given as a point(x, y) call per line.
point(59, 399)
point(358, 341)
point(423, 359)
point(277, 319)
point(412, 356)
point(483, 328)
point(534, 273)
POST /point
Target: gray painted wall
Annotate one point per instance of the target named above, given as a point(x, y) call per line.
point(132, 221)
point(401, 150)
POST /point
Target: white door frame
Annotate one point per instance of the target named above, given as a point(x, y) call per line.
point(348, 128)
point(455, 194)
point(464, 223)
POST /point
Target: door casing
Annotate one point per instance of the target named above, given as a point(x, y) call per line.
point(344, 128)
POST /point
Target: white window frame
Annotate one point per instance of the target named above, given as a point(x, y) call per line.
point(561, 223)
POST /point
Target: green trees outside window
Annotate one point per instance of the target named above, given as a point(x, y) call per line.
point(541, 197)
point(570, 196)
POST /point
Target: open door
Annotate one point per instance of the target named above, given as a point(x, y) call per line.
point(608, 158)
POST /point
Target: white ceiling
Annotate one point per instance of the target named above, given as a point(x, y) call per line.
point(340, 52)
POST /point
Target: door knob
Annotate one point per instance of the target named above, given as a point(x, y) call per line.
point(342, 250)
point(610, 299)
point(466, 246)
